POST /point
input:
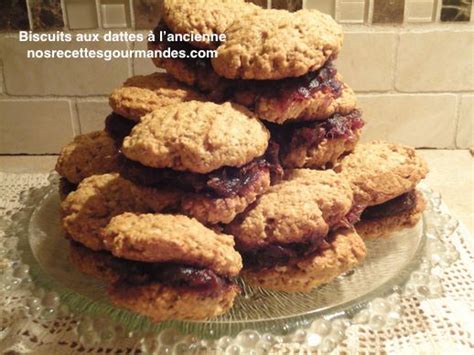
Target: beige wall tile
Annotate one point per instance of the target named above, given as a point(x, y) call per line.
point(92, 114)
point(36, 127)
point(80, 77)
point(366, 60)
point(143, 66)
point(435, 61)
point(465, 131)
point(417, 120)
point(326, 6)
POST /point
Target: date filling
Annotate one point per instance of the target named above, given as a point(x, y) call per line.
point(311, 134)
point(403, 203)
point(223, 182)
point(118, 127)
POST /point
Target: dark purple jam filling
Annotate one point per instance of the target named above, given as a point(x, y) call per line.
point(312, 133)
point(171, 274)
point(118, 126)
point(223, 182)
point(280, 254)
point(66, 186)
point(400, 204)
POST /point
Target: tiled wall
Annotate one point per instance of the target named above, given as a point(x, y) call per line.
point(410, 62)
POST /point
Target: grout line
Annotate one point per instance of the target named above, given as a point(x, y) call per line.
point(65, 19)
point(457, 118)
point(75, 120)
point(395, 62)
point(30, 15)
point(132, 15)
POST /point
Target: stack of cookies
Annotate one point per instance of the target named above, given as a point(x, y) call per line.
point(243, 165)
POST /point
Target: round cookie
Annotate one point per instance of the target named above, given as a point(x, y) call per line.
point(152, 299)
point(319, 106)
point(86, 211)
point(160, 302)
point(213, 210)
point(326, 153)
point(197, 136)
point(297, 210)
point(142, 94)
point(346, 250)
point(276, 44)
point(171, 238)
point(88, 154)
point(383, 227)
point(380, 171)
point(204, 17)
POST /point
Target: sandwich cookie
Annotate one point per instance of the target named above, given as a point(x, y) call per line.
point(142, 94)
point(291, 223)
point(214, 153)
point(86, 211)
point(88, 154)
point(175, 268)
point(384, 177)
point(317, 144)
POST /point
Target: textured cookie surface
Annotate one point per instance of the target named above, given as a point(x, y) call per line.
point(380, 171)
point(346, 251)
point(276, 44)
point(171, 238)
point(204, 16)
point(304, 205)
point(160, 302)
point(88, 154)
point(324, 153)
point(197, 136)
point(142, 94)
point(385, 226)
point(213, 210)
point(86, 211)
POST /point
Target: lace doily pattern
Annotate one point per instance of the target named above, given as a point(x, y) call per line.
point(431, 312)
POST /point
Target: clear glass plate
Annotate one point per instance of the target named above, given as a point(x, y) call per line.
point(388, 264)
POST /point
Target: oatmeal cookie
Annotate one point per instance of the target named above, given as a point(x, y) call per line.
point(204, 17)
point(171, 238)
point(380, 171)
point(86, 211)
point(300, 209)
point(197, 136)
point(88, 154)
point(142, 94)
point(276, 44)
point(345, 251)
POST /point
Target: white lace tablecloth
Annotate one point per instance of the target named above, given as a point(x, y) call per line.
point(428, 325)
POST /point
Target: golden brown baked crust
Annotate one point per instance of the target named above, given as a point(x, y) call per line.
point(142, 94)
point(276, 44)
point(86, 211)
point(197, 136)
point(160, 302)
point(323, 154)
point(204, 16)
point(209, 210)
point(304, 205)
point(380, 171)
point(88, 154)
point(319, 106)
point(384, 227)
point(346, 251)
point(171, 238)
